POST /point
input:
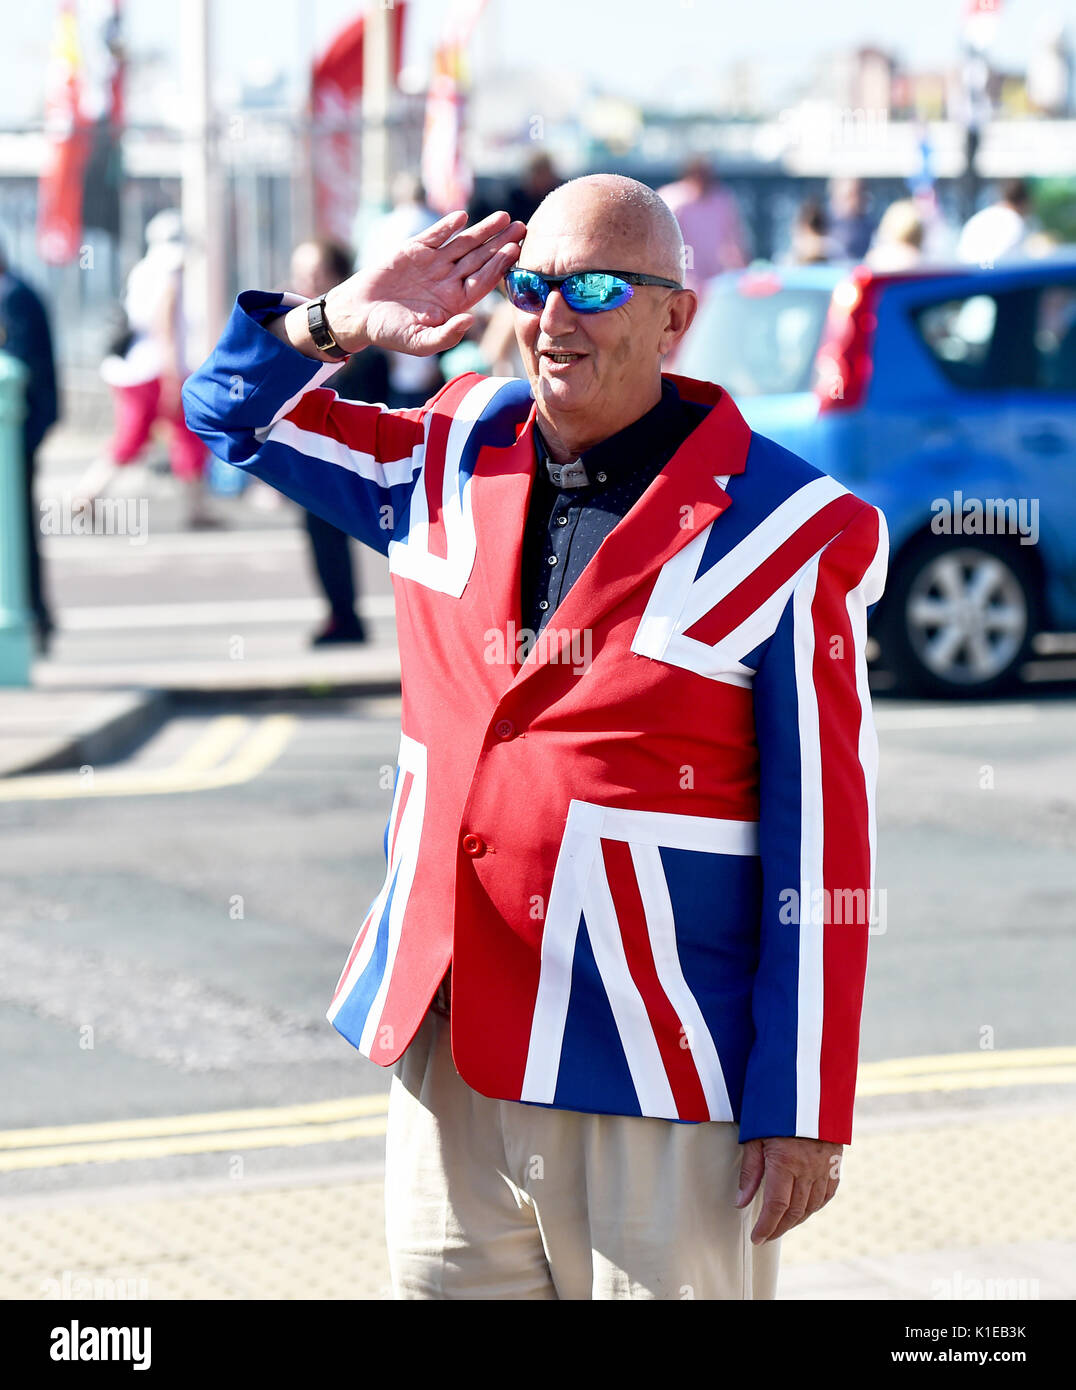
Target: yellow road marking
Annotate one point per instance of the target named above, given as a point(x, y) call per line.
point(967, 1081)
point(219, 738)
point(987, 1059)
point(315, 1112)
point(192, 772)
point(330, 1121)
point(285, 1137)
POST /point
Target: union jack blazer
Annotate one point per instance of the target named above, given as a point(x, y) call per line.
point(645, 842)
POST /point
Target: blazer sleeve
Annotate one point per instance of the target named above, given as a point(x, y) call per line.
point(261, 405)
point(818, 758)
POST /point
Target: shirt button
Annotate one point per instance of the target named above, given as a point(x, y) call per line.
point(543, 604)
point(504, 728)
point(552, 560)
point(601, 478)
point(474, 845)
point(562, 521)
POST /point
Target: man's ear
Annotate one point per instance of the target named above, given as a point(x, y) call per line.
point(680, 310)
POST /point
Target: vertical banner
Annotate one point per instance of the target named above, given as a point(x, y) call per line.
point(446, 174)
point(102, 109)
point(59, 199)
point(80, 182)
point(336, 120)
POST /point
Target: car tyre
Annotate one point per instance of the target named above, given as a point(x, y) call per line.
point(959, 616)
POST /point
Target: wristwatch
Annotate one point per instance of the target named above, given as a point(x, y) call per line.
point(320, 331)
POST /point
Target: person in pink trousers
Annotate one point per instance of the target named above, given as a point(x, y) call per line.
point(147, 377)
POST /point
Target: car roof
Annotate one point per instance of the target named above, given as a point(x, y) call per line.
point(827, 275)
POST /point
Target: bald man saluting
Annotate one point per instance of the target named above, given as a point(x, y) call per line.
point(617, 959)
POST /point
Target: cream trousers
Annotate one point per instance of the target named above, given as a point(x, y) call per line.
point(490, 1199)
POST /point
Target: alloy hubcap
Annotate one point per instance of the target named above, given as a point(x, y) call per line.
point(967, 616)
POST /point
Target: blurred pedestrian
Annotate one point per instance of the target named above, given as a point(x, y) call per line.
point(147, 374)
point(850, 225)
point(811, 242)
point(1000, 231)
point(412, 380)
point(24, 333)
point(710, 223)
point(539, 178)
point(316, 266)
point(898, 242)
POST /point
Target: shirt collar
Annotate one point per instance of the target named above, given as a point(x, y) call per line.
point(628, 451)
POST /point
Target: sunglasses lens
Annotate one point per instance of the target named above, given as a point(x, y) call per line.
point(526, 290)
point(591, 292)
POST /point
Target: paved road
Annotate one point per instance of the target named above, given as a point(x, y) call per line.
point(197, 928)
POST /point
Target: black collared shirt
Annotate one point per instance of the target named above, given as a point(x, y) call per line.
point(565, 526)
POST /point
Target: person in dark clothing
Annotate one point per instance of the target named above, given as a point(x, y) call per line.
point(539, 178)
point(850, 225)
point(316, 266)
point(25, 334)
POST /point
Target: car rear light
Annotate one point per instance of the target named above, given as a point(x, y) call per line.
point(843, 362)
point(753, 284)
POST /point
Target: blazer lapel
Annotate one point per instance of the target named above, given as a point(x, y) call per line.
point(500, 494)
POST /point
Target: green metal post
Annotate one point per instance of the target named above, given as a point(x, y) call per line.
point(16, 636)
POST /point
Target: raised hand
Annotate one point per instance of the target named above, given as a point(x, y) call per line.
point(418, 301)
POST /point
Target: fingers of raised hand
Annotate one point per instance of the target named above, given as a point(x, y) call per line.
point(426, 341)
point(494, 229)
point(442, 229)
point(478, 285)
point(475, 259)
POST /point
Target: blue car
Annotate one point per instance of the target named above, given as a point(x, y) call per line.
point(948, 399)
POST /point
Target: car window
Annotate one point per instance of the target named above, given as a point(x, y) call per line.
point(1055, 338)
point(983, 342)
point(959, 334)
point(755, 340)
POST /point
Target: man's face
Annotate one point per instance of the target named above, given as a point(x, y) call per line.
point(596, 367)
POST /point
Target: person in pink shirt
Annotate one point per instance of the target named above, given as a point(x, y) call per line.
point(709, 217)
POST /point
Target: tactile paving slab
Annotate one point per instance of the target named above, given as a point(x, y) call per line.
point(969, 1208)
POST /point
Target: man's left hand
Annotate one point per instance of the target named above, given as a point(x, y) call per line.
point(801, 1175)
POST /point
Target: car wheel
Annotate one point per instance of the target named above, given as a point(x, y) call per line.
point(959, 617)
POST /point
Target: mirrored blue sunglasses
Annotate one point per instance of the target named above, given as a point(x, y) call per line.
point(585, 291)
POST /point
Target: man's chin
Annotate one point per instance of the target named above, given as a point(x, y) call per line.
point(561, 394)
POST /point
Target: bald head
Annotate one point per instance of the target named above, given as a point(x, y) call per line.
point(593, 373)
point(626, 223)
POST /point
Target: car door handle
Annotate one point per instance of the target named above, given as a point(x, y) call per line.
point(1045, 441)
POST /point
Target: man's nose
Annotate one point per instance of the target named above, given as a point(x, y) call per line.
point(557, 317)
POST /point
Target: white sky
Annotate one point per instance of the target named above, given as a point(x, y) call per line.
point(647, 49)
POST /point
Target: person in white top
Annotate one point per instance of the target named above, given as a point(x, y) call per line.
point(1000, 231)
point(147, 375)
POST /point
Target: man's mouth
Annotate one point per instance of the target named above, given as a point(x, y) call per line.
point(562, 358)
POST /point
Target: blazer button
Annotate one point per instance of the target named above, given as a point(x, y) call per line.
point(474, 845)
point(504, 728)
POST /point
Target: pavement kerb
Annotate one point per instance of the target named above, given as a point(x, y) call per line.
point(117, 718)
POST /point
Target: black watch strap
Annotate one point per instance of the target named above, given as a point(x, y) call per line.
point(320, 332)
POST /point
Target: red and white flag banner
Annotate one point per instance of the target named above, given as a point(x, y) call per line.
point(446, 175)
